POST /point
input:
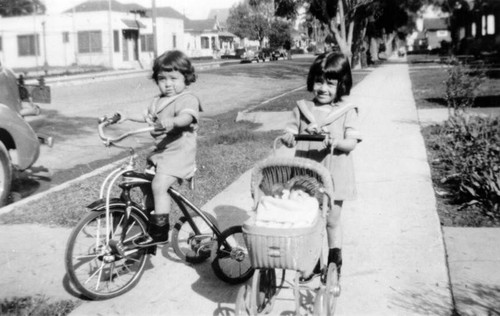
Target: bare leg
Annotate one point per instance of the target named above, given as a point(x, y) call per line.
point(159, 226)
point(334, 232)
point(333, 226)
point(160, 185)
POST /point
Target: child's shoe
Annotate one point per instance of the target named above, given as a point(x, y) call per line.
point(157, 232)
point(316, 272)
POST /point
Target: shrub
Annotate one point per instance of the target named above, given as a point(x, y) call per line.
point(469, 152)
point(461, 85)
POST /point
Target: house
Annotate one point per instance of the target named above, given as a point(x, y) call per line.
point(437, 32)
point(104, 33)
point(206, 38)
point(481, 33)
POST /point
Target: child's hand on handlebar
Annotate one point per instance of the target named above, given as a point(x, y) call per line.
point(112, 119)
point(313, 128)
point(330, 142)
point(288, 140)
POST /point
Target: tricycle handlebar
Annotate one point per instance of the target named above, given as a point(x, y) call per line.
point(106, 121)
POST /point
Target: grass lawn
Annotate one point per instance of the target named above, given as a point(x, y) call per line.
point(428, 85)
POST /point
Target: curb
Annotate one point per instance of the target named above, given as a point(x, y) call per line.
point(60, 187)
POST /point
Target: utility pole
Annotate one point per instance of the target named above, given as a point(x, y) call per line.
point(153, 16)
point(110, 26)
point(45, 63)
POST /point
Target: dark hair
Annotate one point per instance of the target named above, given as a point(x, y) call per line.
point(174, 60)
point(331, 66)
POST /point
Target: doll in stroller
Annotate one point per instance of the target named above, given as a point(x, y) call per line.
point(287, 232)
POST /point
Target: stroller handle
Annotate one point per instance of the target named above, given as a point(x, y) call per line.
point(301, 137)
point(309, 137)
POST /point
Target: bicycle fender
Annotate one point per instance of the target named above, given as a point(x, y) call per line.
point(100, 205)
point(97, 205)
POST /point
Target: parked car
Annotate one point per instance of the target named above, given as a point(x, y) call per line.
point(265, 54)
point(249, 54)
point(16, 135)
point(278, 53)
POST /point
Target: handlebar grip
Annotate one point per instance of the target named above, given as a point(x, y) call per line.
point(309, 137)
point(109, 120)
point(115, 118)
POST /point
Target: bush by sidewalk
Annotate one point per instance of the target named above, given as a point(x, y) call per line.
point(464, 151)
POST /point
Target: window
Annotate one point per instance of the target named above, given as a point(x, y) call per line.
point(473, 29)
point(147, 43)
point(174, 41)
point(488, 23)
point(442, 33)
point(116, 41)
point(89, 42)
point(205, 42)
point(28, 45)
point(65, 36)
point(490, 30)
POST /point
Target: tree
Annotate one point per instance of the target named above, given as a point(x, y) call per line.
point(349, 20)
point(21, 7)
point(280, 33)
point(244, 22)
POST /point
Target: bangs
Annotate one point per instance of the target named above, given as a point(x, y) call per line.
point(169, 68)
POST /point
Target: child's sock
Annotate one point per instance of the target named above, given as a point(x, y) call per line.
point(335, 256)
point(159, 227)
point(157, 231)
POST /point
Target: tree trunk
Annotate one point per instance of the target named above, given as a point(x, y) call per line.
point(341, 38)
point(388, 44)
point(374, 49)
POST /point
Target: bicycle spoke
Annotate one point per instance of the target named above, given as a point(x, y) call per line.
point(95, 268)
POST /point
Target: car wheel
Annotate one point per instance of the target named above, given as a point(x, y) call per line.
point(5, 174)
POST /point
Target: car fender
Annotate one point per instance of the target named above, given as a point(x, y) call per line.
point(17, 134)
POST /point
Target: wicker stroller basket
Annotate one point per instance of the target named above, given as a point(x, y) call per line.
point(287, 248)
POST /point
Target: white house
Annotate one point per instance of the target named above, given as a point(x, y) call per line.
point(109, 34)
point(207, 38)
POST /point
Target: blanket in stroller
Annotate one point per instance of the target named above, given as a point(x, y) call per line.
point(293, 209)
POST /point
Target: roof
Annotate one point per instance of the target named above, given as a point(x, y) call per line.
point(435, 24)
point(102, 5)
point(133, 24)
point(200, 25)
point(166, 12)
point(226, 34)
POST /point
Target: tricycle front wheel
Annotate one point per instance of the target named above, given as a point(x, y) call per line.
point(94, 266)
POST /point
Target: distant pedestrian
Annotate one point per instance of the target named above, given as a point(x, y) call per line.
point(176, 111)
point(329, 80)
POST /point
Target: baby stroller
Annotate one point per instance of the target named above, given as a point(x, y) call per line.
point(288, 248)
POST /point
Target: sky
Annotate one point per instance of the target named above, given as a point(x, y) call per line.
point(193, 9)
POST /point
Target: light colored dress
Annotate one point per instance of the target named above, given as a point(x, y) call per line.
point(340, 164)
point(175, 151)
